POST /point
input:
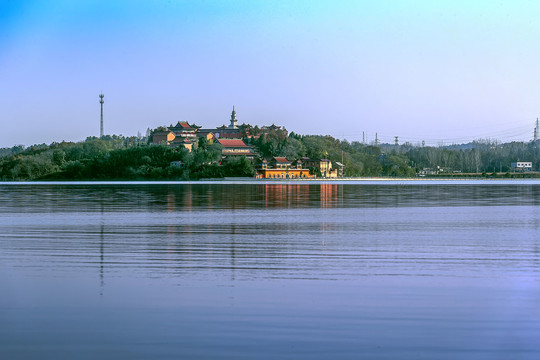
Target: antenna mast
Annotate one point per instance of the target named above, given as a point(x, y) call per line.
point(101, 101)
point(536, 130)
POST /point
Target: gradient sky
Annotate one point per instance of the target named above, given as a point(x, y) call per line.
point(439, 71)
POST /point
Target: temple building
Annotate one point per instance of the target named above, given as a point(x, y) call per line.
point(236, 147)
point(184, 130)
point(180, 135)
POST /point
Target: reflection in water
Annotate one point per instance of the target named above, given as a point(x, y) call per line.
point(270, 270)
point(102, 248)
point(102, 257)
point(282, 229)
point(213, 197)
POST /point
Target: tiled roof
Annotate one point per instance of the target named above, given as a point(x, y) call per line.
point(232, 142)
point(183, 125)
point(281, 160)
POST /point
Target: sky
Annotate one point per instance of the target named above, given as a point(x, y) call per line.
point(440, 71)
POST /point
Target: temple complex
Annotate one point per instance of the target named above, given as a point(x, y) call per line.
point(230, 136)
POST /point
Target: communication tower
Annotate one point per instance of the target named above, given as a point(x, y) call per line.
point(536, 130)
point(101, 101)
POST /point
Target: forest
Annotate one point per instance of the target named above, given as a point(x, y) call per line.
point(134, 158)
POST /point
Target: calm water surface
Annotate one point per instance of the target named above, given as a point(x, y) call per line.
point(270, 270)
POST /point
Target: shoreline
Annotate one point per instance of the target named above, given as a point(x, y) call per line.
point(320, 181)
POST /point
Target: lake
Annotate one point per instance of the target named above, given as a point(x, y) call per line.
point(266, 270)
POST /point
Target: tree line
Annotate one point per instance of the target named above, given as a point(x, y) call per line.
point(132, 158)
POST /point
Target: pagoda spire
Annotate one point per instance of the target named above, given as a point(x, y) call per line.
point(234, 120)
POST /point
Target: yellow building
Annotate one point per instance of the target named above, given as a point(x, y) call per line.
point(324, 165)
point(283, 174)
point(281, 168)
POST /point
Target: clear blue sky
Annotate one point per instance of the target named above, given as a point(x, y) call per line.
point(429, 70)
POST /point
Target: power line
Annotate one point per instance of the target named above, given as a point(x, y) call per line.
point(511, 134)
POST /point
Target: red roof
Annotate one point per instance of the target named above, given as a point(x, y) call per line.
point(232, 142)
point(281, 160)
point(183, 125)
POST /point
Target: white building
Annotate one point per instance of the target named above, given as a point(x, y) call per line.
point(521, 166)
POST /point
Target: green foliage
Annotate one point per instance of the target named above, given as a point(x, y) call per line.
point(11, 151)
point(130, 158)
point(111, 157)
point(239, 167)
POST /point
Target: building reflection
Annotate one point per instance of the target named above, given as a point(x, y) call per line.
point(224, 228)
point(171, 201)
point(329, 195)
point(102, 203)
point(298, 195)
point(212, 197)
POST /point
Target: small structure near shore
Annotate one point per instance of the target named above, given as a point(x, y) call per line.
point(521, 166)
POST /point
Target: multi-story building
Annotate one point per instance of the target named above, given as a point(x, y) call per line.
point(281, 168)
point(323, 165)
point(182, 134)
point(183, 130)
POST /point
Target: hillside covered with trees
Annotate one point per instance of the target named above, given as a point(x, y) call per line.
point(132, 158)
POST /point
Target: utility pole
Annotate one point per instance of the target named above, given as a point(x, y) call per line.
point(101, 101)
